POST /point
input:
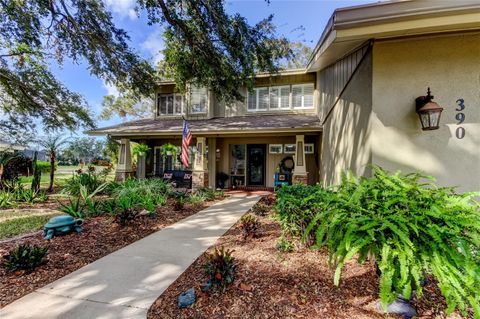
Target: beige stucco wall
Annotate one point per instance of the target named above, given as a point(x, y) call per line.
point(402, 70)
point(346, 133)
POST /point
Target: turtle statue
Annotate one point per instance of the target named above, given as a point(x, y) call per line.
point(61, 225)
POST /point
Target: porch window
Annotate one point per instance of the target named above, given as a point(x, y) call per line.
point(170, 104)
point(281, 97)
point(198, 99)
point(302, 96)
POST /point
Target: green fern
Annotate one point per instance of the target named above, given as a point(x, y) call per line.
point(409, 225)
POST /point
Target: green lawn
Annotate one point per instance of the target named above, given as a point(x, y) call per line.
point(62, 173)
point(14, 222)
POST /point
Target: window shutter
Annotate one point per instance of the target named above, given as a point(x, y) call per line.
point(263, 99)
point(297, 96)
point(274, 97)
point(252, 100)
point(199, 99)
point(285, 97)
point(163, 104)
point(170, 104)
point(178, 104)
point(308, 95)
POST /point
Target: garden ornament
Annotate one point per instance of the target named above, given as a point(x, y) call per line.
point(61, 225)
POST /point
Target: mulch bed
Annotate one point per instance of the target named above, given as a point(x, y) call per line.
point(101, 236)
point(274, 284)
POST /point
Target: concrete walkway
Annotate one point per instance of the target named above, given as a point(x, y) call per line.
point(125, 283)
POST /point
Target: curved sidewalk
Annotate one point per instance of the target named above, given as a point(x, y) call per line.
point(125, 283)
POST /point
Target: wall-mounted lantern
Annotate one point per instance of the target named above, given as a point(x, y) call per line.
point(428, 111)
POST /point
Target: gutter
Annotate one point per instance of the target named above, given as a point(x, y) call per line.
point(207, 132)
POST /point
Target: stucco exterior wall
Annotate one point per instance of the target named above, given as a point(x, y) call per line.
point(346, 133)
point(402, 71)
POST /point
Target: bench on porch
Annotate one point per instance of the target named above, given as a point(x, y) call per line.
point(179, 178)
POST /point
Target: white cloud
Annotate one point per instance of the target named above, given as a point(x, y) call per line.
point(154, 44)
point(124, 8)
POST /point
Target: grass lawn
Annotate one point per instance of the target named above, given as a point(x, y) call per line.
point(14, 222)
point(62, 173)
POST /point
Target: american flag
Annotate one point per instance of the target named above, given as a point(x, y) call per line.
point(186, 139)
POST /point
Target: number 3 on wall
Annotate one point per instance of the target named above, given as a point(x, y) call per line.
point(460, 117)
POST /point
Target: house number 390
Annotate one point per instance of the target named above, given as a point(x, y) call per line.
point(460, 117)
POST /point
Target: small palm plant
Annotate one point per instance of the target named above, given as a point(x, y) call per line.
point(52, 144)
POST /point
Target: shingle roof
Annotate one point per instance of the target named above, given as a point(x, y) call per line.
point(273, 123)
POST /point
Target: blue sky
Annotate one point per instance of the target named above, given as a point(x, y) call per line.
point(289, 16)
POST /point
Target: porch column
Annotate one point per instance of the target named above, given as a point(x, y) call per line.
point(300, 174)
point(141, 166)
point(212, 162)
point(200, 172)
point(124, 165)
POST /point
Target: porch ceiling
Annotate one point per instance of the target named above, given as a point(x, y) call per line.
point(226, 125)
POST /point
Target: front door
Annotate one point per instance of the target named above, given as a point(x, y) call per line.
point(256, 164)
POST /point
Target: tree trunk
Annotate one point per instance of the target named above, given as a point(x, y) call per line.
point(52, 171)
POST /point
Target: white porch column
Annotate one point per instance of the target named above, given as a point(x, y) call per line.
point(124, 165)
point(200, 172)
point(300, 173)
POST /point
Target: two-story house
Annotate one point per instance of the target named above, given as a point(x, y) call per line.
point(353, 105)
point(246, 140)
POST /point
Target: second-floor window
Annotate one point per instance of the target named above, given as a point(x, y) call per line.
point(198, 100)
point(170, 104)
point(281, 97)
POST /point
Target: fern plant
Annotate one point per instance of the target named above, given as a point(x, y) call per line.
point(25, 257)
point(409, 228)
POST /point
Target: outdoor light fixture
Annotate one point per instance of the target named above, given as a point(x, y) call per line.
point(428, 111)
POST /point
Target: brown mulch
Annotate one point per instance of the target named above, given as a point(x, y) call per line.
point(274, 284)
point(101, 236)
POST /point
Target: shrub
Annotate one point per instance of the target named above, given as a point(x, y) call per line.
point(143, 194)
point(90, 179)
point(126, 212)
point(283, 244)
point(260, 209)
point(297, 205)
point(208, 193)
point(6, 200)
point(44, 166)
point(74, 208)
point(25, 257)
point(29, 195)
point(220, 267)
point(249, 226)
point(180, 200)
point(409, 228)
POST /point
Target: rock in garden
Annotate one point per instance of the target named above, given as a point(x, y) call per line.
point(187, 298)
point(400, 307)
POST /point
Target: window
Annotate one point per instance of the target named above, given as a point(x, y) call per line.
point(289, 148)
point(198, 99)
point(302, 96)
point(309, 148)
point(278, 97)
point(275, 148)
point(170, 104)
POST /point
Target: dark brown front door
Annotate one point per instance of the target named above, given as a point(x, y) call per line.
point(256, 164)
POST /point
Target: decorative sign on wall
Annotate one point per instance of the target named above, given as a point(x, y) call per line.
point(460, 117)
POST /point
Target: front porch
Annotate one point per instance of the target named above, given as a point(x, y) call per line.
point(247, 162)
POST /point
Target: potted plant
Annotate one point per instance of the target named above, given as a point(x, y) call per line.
point(221, 179)
point(140, 149)
point(169, 149)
